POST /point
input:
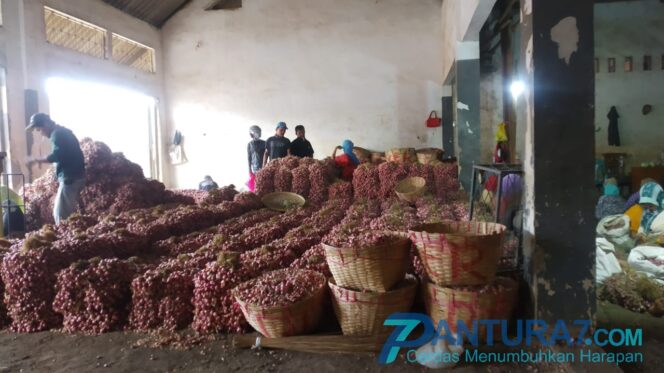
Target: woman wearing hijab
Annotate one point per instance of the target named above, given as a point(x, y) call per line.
point(611, 203)
point(634, 198)
point(347, 162)
point(652, 201)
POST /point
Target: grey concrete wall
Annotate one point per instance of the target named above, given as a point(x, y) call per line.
point(468, 118)
point(633, 29)
point(491, 111)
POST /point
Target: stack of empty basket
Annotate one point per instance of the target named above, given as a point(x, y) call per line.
point(369, 284)
point(461, 259)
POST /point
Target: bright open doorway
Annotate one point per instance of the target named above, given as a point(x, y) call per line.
point(125, 120)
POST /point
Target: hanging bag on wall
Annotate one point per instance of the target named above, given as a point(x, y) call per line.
point(433, 120)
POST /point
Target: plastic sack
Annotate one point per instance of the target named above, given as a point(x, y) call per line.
point(501, 134)
point(606, 262)
point(615, 228)
point(251, 183)
point(439, 355)
point(657, 226)
point(646, 259)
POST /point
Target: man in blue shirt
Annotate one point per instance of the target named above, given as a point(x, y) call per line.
point(70, 165)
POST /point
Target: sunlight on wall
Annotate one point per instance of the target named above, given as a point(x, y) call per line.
point(116, 116)
point(215, 144)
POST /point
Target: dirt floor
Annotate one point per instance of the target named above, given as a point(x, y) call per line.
point(119, 352)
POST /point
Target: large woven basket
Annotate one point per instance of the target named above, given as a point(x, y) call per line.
point(429, 155)
point(459, 253)
point(377, 157)
point(401, 155)
point(297, 318)
point(282, 201)
point(363, 312)
point(471, 303)
point(410, 188)
point(376, 268)
point(363, 155)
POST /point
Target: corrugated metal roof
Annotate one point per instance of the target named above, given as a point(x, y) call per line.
point(155, 12)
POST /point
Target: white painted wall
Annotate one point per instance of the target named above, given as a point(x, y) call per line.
point(30, 61)
point(365, 70)
point(630, 29)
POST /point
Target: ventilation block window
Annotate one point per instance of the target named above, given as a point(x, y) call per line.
point(131, 53)
point(647, 63)
point(73, 33)
point(628, 64)
point(612, 65)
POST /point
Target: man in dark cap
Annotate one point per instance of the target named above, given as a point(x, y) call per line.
point(70, 166)
point(277, 146)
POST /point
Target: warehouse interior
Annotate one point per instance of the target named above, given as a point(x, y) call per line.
point(518, 93)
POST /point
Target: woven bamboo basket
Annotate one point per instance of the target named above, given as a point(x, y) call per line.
point(362, 313)
point(490, 302)
point(376, 268)
point(377, 157)
point(429, 155)
point(294, 319)
point(411, 188)
point(282, 201)
point(363, 155)
point(459, 253)
point(401, 155)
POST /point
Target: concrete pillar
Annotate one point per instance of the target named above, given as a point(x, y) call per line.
point(447, 119)
point(14, 30)
point(556, 112)
point(467, 77)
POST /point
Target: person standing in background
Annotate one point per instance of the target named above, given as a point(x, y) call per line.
point(70, 165)
point(255, 152)
point(277, 146)
point(301, 147)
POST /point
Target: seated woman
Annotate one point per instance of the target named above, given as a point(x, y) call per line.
point(347, 162)
point(634, 198)
point(651, 199)
point(611, 203)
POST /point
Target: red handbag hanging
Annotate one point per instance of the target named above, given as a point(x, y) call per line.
point(433, 120)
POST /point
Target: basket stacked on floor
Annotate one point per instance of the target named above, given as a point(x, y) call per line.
point(461, 259)
point(369, 284)
point(289, 319)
